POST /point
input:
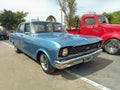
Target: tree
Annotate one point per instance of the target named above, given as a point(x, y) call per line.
point(51, 18)
point(76, 21)
point(19, 17)
point(113, 17)
point(108, 16)
point(10, 20)
point(69, 8)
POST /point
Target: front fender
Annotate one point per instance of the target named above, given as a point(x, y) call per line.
point(106, 37)
point(51, 55)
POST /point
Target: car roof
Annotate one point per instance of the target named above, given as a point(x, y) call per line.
point(39, 22)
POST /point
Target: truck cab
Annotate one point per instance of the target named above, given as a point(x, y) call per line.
point(92, 24)
point(98, 25)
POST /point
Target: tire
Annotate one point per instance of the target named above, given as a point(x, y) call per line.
point(112, 46)
point(45, 64)
point(17, 50)
point(2, 37)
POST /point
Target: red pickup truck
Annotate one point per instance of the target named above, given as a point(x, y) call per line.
point(98, 25)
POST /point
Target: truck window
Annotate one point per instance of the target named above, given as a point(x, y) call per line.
point(89, 21)
point(21, 28)
point(103, 19)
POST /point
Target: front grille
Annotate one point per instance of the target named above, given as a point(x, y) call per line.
point(80, 49)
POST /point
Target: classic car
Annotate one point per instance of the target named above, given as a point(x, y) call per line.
point(98, 25)
point(51, 45)
point(4, 35)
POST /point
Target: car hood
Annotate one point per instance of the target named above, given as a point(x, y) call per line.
point(112, 27)
point(66, 39)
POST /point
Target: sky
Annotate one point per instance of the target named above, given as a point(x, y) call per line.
point(43, 8)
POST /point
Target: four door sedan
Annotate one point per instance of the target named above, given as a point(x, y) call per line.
point(51, 45)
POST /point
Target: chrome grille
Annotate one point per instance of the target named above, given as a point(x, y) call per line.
point(80, 49)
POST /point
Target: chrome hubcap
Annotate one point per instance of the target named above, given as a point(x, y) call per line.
point(112, 46)
point(44, 62)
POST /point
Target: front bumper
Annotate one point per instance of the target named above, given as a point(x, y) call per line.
point(77, 60)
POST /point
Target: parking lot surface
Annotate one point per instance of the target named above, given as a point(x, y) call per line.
point(20, 72)
point(105, 70)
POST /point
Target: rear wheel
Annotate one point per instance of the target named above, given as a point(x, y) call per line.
point(112, 46)
point(45, 64)
point(16, 49)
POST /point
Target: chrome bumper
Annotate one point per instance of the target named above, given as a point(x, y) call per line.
point(77, 60)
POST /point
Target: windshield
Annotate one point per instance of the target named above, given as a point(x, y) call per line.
point(43, 27)
point(103, 19)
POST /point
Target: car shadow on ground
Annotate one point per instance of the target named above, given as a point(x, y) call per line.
point(58, 72)
point(91, 67)
point(83, 69)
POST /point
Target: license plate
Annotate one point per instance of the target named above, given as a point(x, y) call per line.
point(87, 59)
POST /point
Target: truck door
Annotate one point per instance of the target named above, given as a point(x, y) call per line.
point(90, 27)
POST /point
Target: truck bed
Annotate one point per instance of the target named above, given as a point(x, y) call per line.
point(73, 31)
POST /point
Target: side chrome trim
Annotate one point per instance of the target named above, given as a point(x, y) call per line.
point(64, 64)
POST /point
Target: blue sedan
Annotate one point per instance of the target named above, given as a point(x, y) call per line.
point(51, 45)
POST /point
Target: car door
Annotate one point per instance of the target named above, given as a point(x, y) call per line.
point(26, 39)
point(18, 35)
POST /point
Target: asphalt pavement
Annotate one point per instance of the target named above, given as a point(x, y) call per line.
point(105, 70)
point(20, 72)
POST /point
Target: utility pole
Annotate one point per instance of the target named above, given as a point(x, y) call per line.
point(61, 16)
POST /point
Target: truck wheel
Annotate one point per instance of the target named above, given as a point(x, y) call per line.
point(112, 46)
point(45, 64)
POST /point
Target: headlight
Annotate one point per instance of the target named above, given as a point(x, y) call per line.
point(65, 52)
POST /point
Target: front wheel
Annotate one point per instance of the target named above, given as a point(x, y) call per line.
point(112, 46)
point(45, 64)
point(2, 37)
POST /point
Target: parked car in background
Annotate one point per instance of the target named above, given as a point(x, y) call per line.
point(98, 25)
point(4, 35)
point(52, 46)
